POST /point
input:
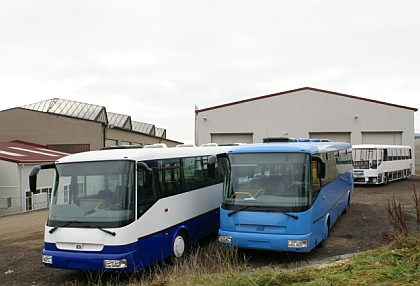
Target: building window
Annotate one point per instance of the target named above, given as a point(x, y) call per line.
point(110, 142)
point(70, 148)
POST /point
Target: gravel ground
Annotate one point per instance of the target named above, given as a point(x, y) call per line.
point(364, 227)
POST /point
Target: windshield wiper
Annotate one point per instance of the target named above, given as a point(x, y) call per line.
point(241, 209)
point(70, 222)
point(291, 215)
point(62, 225)
point(285, 213)
point(100, 228)
point(107, 231)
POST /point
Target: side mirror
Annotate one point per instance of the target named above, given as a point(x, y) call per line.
point(33, 174)
point(320, 166)
point(147, 180)
point(32, 178)
point(211, 166)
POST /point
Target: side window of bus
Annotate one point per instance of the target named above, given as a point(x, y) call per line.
point(390, 154)
point(193, 173)
point(316, 182)
point(169, 177)
point(218, 176)
point(408, 153)
point(331, 172)
point(344, 161)
point(145, 193)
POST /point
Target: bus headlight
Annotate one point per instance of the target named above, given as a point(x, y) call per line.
point(115, 263)
point(374, 180)
point(297, 243)
point(225, 239)
point(47, 259)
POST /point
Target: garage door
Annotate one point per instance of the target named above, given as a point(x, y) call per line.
point(389, 138)
point(334, 136)
point(230, 138)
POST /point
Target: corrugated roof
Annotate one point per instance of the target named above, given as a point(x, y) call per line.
point(94, 113)
point(25, 152)
point(71, 108)
point(300, 89)
point(160, 132)
point(144, 128)
point(119, 120)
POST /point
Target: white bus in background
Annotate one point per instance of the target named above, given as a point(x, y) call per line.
point(123, 209)
point(380, 164)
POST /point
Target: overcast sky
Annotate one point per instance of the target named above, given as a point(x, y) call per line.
point(156, 60)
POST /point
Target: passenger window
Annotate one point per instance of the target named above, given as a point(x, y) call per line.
point(193, 173)
point(316, 182)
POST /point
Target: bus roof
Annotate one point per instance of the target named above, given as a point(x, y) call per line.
point(380, 146)
point(141, 154)
point(288, 147)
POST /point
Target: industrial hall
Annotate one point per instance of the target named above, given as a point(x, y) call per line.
point(307, 113)
point(72, 126)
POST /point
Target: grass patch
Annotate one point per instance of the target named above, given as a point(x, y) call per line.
point(395, 264)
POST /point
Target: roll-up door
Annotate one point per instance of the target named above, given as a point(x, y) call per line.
point(389, 138)
point(334, 136)
point(230, 138)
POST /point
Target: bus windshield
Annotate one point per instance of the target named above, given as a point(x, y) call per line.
point(267, 182)
point(93, 194)
point(367, 158)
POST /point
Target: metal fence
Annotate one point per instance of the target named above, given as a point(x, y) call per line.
point(10, 205)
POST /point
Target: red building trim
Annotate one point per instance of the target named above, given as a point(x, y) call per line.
point(301, 89)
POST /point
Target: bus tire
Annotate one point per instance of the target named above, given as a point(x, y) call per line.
point(346, 209)
point(327, 234)
point(180, 244)
point(385, 180)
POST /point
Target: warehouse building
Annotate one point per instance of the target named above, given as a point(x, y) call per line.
point(306, 113)
point(73, 126)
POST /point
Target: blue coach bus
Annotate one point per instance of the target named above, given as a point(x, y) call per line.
point(284, 196)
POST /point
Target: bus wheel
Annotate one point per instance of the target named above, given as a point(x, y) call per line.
point(346, 209)
point(180, 244)
point(327, 233)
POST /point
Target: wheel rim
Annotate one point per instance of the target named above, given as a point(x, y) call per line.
point(179, 246)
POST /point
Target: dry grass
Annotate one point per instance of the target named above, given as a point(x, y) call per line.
point(198, 264)
point(397, 215)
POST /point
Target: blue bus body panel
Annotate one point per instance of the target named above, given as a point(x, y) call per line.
point(140, 254)
point(272, 230)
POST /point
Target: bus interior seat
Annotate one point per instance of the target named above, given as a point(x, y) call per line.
point(296, 190)
point(117, 195)
point(104, 194)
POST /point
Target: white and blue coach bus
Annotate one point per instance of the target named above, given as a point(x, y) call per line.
point(284, 196)
point(124, 209)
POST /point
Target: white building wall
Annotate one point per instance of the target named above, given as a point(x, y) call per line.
point(300, 113)
point(14, 184)
point(8, 179)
